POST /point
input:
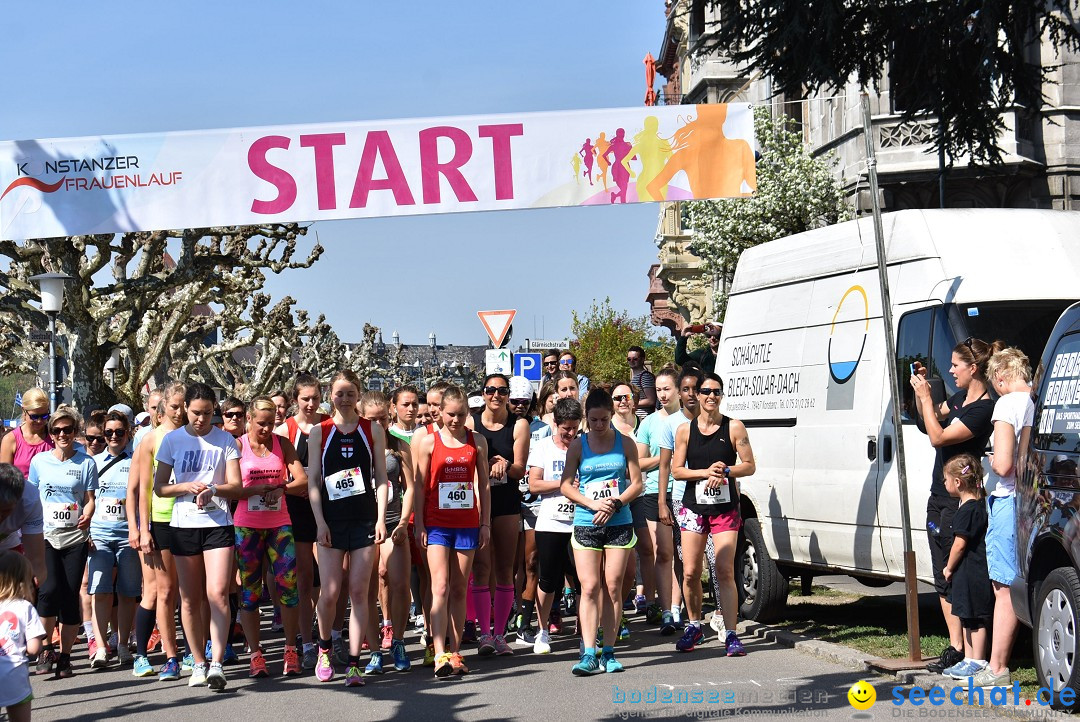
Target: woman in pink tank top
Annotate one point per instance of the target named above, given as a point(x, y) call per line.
point(32, 436)
point(264, 530)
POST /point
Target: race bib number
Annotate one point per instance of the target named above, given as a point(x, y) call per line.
point(603, 489)
point(111, 510)
point(258, 503)
point(344, 484)
point(557, 508)
point(455, 495)
point(706, 496)
point(61, 515)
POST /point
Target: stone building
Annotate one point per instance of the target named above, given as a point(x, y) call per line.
point(1040, 150)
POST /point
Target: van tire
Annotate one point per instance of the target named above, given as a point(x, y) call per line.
point(763, 588)
point(1054, 619)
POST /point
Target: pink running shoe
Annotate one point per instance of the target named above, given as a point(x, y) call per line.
point(324, 668)
point(387, 637)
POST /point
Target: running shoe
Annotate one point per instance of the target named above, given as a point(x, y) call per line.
point(469, 635)
point(112, 644)
point(628, 604)
point(609, 663)
point(691, 638)
point(502, 649)
point(100, 660)
point(513, 624)
point(91, 648)
point(364, 646)
point(188, 663)
point(542, 645)
point(487, 645)
point(124, 655)
point(141, 667)
point(198, 676)
point(569, 602)
point(419, 624)
point(525, 637)
point(554, 623)
point(387, 638)
point(257, 668)
point(46, 660)
point(987, 678)
point(458, 664)
point(401, 658)
point(654, 613)
point(275, 623)
point(624, 630)
point(324, 669)
point(170, 671)
point(429, 655)
point(63, 668)
point(230, 655)
point(964, 669)
point(639, 603)
point(132, 644)
point(587, 666)
point(215, 678)
point(717, 623)
point(667, 626)
point(735, 648)
point(341, 654)
point(374, 665)
point(443, 668)
point(353, 678)
point(311, 656)
point(154, 641)
point(291, 668)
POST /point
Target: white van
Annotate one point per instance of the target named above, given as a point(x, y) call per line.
point(802, 357)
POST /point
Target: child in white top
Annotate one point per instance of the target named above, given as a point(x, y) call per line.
point(21, 633)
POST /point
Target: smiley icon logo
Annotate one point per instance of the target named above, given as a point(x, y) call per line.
point(862, 696)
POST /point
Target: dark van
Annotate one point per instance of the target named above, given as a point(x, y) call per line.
point(1046, 593)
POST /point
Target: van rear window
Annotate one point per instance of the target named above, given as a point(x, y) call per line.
point(1058, 425)
point(1024, 324)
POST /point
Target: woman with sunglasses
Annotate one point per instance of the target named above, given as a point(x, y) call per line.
point(233, 416)
point(568, 362)
point(31, 437)
point(93, 436)
point(151, 515)
point(961, 425)
point(110, 550)
point(711, 452)
point(307, 395)
point(92, 440)
point(626, 422)
point(601, 477)
point(507, 438)
point(66, 479)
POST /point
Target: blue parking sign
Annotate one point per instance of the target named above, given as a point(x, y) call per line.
point(528, 365)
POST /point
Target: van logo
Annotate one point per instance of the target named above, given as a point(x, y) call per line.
point(847, 342)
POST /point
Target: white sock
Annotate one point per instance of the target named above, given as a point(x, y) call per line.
point(88, 628)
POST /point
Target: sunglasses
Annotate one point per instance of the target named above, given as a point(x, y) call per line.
point(520, 402)
point(232, 414)
point(39, 417)
point(111, 433)
point(633, 358)
point(710, 392)
point(57, 430)
point(94, 439)
point(566, 362)
point(500, 390)
point(551, 363)
point(620, 398)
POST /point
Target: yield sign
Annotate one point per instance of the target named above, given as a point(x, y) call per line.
point(497, 323)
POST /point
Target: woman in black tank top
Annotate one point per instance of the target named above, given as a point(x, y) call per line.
point(706, 451)
point(493, 567)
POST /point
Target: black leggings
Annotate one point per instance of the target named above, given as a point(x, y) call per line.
point(553, 556)
point(59, 595)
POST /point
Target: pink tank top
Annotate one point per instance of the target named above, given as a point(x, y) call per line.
point(253, 512)
point(25, 451)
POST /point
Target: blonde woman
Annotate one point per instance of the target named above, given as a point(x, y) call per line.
point(31, 437)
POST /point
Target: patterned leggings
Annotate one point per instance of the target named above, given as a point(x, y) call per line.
point(710, 553)
point(255, 545)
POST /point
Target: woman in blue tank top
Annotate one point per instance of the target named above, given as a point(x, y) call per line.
point(601, 477)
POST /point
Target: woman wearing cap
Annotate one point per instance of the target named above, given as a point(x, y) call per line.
point(508, 449)
point(521, 405)
point(66, 479)
point(31, 437)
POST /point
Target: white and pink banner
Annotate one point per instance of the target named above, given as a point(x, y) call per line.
point(250, 176)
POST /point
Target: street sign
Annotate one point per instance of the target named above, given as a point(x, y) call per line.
point(497, 323)
point(527, 365)
point(499, 361)
point(38, 336)
point(544, 344)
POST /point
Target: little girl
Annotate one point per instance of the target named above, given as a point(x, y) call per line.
point(972, 596)
point(21, 633)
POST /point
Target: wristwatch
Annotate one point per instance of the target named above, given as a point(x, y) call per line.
point(618, 504)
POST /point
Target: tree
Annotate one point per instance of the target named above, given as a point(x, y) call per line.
point(602, 336)
point(965, 61)
point(796, 192)
point(129, 293)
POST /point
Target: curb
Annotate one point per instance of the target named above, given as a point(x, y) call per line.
point(856, 660)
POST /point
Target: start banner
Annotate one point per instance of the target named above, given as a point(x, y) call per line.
point(251, 176)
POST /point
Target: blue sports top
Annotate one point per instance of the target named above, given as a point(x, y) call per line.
point(594, 470)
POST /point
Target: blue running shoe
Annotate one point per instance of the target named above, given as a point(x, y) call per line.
point(587, 666)
point(141, 667)
point(188, 663)
point(401, 659)
point(170, 671)
point(667, 626)
point(374, 665)
point(609, 663)
point(734, 647)
point(691, 638)
point(230, 655)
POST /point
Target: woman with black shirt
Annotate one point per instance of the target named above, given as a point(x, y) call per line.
point(508, 449)
point(960, 425)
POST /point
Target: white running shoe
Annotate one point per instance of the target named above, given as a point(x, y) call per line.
point(198, 676)
point(542, 645)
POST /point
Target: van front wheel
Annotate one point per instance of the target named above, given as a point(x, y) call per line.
point(763, 587)
point(1056, 639)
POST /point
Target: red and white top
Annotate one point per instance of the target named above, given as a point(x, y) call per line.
point(450, 499)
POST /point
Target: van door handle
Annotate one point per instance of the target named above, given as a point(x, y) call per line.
point(886, 452)
point(871, 448)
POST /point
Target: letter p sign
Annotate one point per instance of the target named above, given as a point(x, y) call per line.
point(527, 365)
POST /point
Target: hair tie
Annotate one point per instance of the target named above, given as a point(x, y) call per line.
point(966, 469)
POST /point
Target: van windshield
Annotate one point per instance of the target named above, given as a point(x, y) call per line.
point(1025, 324)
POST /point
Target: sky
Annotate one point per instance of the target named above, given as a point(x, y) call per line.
point(127, 67)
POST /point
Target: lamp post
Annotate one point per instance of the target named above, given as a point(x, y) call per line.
point(111, 365)
point(51, 288)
